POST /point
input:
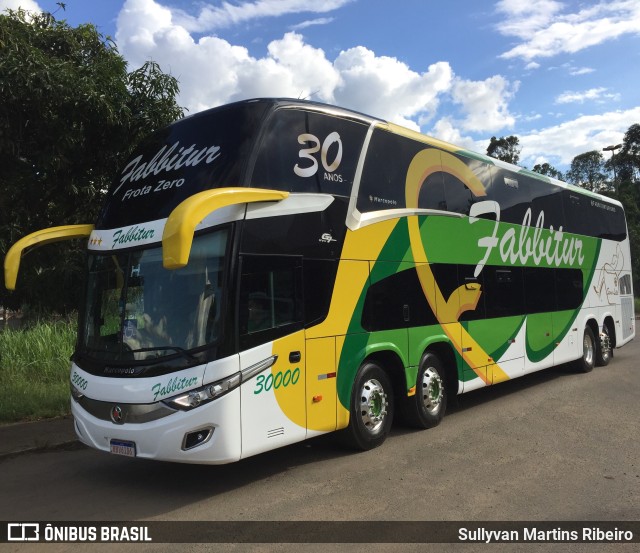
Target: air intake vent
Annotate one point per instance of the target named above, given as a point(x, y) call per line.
point(275, 432)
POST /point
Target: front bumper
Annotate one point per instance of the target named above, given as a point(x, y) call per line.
point(164, 439)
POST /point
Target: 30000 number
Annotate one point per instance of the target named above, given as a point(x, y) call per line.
point(277, 380)
point(78, 381)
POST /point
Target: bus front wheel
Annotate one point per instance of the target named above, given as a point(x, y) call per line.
point(425, 409)
point(372, 405)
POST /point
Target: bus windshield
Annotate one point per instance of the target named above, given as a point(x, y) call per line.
point(204, 151)
point(137, 310)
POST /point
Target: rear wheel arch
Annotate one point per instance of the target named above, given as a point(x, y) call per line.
point(605, 342)
point(391, 363)
point(608, 321)
point(447, 356)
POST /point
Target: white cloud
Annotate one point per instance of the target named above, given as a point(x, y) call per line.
point(581, 71)
point(227, 14)
point(445, 129)
point(212, 71)
point(563, 142)
point(387, 88)
point(529, 118)
point(312, 23)
point(28, 5)
point(599, 95)
point(524, 17)
point(485, 103)
point(545, 31)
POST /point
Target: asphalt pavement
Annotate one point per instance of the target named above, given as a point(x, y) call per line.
point(23, 437)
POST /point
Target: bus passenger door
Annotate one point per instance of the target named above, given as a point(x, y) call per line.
point(272, 356)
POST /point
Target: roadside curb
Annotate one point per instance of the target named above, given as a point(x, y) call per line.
point(26, 437)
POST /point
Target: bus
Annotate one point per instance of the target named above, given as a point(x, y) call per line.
point(272, 270)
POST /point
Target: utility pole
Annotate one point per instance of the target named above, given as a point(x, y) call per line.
point(613, 149)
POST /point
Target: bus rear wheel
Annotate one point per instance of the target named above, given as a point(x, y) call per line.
point(603, 347)
point(426, 408)
point(372, 405)
point(587, 361)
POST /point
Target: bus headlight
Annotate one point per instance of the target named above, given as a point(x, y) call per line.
point(204, 394)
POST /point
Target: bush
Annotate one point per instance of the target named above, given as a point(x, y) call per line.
point(34, 370)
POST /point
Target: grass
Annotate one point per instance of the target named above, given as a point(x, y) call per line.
point(34, 371)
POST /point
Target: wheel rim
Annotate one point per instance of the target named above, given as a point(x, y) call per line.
point(432, 390)
point(587, 349)
point(373, 405)
point(605, 344)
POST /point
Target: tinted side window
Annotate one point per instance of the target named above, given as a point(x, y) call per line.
point(385, 172)
point(397, 302)
point(511, 191)
point(577, 210)
point(617, 226)
point(304, 151)
point(548, 199)
point(539, 289)
point(569, 290)
point(503, 291)
point(458, 197)
point(319, 278)
point(593, 217)
point(204, 151)
point(432, 193)
point(270, 298)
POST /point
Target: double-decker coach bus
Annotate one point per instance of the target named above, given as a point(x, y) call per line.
point(272, 270)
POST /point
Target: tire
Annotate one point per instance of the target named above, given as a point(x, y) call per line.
point(604, 353)
point(426, 408)
point(587, 361)
point(371, 410)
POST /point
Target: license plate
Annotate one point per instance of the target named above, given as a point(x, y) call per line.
point(123, 447)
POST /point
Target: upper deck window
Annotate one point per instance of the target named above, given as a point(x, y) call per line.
point(306, 151)
point(207, 150)
point(384, 177)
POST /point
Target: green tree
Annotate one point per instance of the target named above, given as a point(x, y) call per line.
point(69, 116)
point(505, 148)
point(588, 170)
point(627, 161)
point(548, 170)
point(629, 195)
point(627, 166)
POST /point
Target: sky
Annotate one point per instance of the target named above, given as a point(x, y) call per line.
point(561, 75)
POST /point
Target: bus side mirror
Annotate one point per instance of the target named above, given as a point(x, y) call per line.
point(34, 240)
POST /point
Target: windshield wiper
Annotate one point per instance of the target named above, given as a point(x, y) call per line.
point(183, 352)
